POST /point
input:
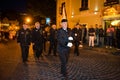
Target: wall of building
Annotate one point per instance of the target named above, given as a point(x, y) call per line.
point(94, 15)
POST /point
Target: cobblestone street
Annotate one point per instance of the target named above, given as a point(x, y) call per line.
point(90, 65)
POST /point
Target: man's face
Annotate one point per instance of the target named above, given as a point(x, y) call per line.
point(37, 25)
point(77, 26)
point(54, 26)
point(64, 25)
point(25, 26)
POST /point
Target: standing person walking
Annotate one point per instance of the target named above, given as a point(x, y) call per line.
point(77, 35)
point(91, 33)
point(64, 44)
point(24, 39)
point(97, 35)
point(110, 36)
point(101, 36)
point(37, 40)
point(53, 40)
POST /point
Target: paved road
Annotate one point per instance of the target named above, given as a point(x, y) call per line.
point(90, 65)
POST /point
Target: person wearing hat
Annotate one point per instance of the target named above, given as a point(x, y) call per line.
point(77, 35)
point(63, 47)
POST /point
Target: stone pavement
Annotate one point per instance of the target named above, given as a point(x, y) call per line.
point(92, 64)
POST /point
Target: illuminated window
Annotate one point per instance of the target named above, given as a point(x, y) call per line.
point(84, 5)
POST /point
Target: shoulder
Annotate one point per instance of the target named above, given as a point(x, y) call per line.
point(73, 28)
point(60, 29)
point(21, 29)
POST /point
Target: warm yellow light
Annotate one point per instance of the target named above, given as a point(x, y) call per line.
point(28, 19)
point(115, 22)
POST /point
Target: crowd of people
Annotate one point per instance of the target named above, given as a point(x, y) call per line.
point(62, 39)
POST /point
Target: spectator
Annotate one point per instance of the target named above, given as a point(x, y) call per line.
point(110, 36)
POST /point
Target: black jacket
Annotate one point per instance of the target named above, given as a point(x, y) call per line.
point(53, 35)
point(77, 34)
point(24, 36)
point(91, 32)
point(62, 38)
point(37, 36)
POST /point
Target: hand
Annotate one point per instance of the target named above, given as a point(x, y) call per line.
point(69, 44)
point(70, 38)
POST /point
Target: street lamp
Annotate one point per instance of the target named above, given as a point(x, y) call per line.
point(28, 20)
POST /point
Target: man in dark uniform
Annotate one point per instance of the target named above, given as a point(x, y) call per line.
point(53, 40)
point(64, 43)
point(37, 40)
point(24, 38)
point(77, 35)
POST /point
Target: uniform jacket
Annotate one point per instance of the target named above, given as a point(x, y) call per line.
point(37, 36)
point(24, 36)
point(62, 38)
point(53, 35)
point(77, 34)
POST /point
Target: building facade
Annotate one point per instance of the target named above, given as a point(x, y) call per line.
point(89, 12)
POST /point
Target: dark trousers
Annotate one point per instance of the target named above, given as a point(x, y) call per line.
point(64, 55)
point(76, 49)
point(118, 43)
point(109, 41)
point(53, 47)
point(101, 41)
point(38, 50)
point(84, 39)
point(25, 51)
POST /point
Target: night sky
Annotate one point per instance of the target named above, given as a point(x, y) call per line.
point(46, 7)
point(17, 5)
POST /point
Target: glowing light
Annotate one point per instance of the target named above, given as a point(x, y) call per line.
point(115, 22)
point(47, 20)
point(28, 19)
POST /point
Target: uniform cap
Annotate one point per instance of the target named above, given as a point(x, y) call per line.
point(64, 20)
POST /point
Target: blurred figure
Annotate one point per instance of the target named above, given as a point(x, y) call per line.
point(101, 36)
point(44, 40)
point(97, 35)
point(24, 39)
point(118, 38)
point(84, 34)
point(37, 40)
point(91, 33)
point(77, 35)
point(64, 44)
point(53, 40)
point(110, 36)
